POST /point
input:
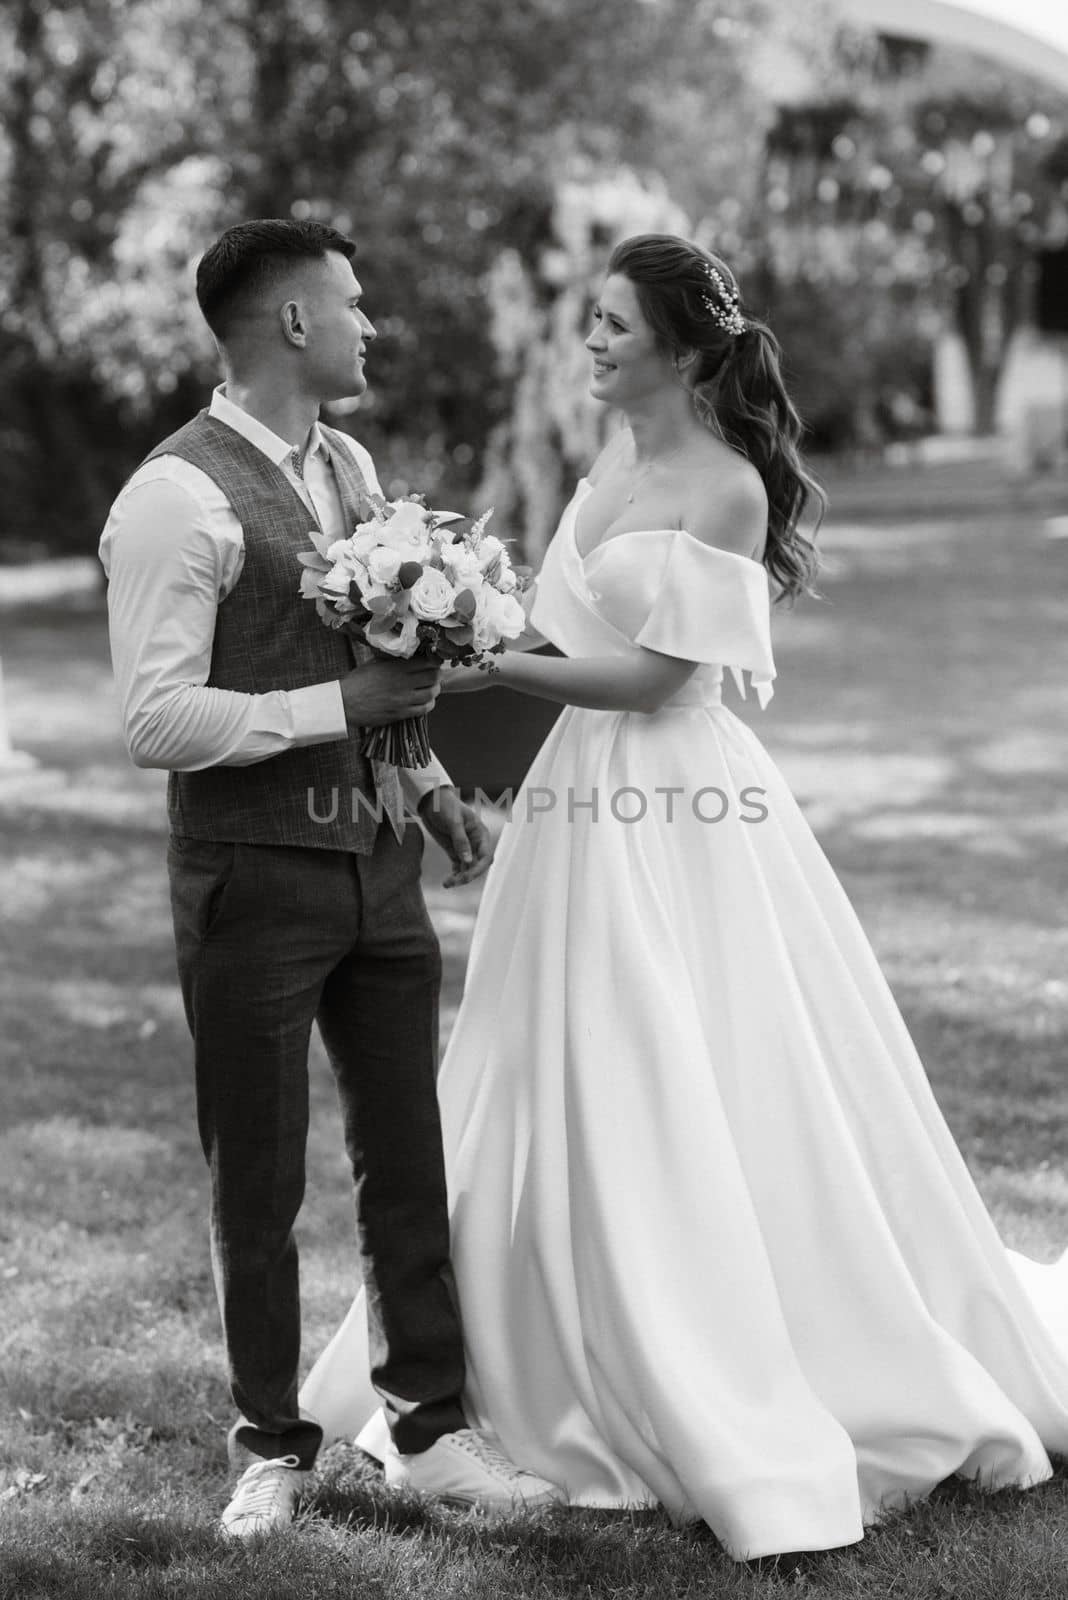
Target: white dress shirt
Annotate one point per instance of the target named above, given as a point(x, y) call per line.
point(173, 549)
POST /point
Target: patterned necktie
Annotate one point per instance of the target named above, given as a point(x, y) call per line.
point(384, 774)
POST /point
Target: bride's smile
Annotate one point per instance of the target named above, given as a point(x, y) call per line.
point(628, 365)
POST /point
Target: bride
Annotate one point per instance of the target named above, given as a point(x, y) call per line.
point(714, 1244)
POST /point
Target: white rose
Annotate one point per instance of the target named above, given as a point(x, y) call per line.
point(364, 540)
point(497, 617)
point(338, 579)
point(506, 580)
point(397, 644)
point(489, 551)
point(511, 618)
point(462, 566)
point(344, 557)
point(407, 530)
point(432, 596)
point(384, 564)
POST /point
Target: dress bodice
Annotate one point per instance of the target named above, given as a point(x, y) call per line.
point(658, 589)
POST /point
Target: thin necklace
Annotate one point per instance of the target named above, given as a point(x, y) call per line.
point(648, 467)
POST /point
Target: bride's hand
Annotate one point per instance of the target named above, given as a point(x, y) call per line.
point(462, 680)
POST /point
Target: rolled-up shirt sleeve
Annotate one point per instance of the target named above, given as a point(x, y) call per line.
point(167, 572)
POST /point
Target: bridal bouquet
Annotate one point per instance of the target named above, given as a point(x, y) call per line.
point(413, 581)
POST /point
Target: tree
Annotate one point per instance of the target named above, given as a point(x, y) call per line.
point(97, 98)
point(540, 316)
point(437, 134)
point(940, 172)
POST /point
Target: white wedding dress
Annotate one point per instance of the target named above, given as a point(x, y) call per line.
point(714, 1243)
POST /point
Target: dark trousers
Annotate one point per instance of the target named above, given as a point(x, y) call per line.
point(269, 939)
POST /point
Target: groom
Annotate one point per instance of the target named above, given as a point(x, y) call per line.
point(229, 680)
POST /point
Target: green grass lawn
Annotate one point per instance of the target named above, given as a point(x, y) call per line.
point(921, 714)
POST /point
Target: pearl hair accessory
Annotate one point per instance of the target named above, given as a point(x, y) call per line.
point(724, 307)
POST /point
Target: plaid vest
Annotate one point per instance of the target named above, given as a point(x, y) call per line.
point(268, 637)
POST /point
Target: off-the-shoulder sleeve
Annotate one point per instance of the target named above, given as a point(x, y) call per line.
point(713, 606)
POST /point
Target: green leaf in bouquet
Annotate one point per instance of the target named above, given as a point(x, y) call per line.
point(410, 572)
point(371, 508)
point(380, 628)
point(321, 542)
point(309, 583)
point(380, 605)
point(461, 637)
point(465, 604)
point(312, 558)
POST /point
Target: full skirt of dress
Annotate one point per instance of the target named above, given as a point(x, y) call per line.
point(714, 1243)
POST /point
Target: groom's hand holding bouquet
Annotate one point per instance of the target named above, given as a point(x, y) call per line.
point(417, 585)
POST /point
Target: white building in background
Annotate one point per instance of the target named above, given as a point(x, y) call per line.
point(1029, 36)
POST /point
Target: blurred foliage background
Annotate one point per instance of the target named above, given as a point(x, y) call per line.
point(485, 158)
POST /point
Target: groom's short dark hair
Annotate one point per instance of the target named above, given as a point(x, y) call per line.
point(250, 256)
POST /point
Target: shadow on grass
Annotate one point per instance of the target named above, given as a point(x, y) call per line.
point(576, 1550)
point(962, 1544)
point(921, 720)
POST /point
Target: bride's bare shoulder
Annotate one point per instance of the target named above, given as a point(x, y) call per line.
point(727, 506)
point(613, 452)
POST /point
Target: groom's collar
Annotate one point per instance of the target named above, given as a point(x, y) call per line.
point(276, 449)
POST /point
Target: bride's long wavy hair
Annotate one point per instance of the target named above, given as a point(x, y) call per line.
point(739, 393)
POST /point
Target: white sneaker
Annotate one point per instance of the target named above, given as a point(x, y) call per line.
point(265, 1498)
point(469, 1467)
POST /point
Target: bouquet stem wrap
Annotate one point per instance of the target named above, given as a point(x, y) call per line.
point(403, 744)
